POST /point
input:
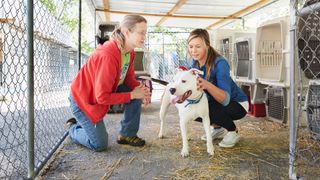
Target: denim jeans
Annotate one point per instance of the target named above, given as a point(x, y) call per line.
point(95, 136)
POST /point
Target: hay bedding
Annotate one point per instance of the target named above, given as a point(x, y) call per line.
point(262, 153)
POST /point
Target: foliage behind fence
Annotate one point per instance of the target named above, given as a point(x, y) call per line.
point(55, 65)
point(166, 51)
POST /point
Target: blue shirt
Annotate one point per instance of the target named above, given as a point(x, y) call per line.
point(220, 77)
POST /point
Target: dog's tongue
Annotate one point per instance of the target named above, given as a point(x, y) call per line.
point(180, 99)
point(174, 99)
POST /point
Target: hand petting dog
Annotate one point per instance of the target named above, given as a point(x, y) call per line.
point(202, 84)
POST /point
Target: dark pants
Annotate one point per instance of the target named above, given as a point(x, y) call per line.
point(225, 115)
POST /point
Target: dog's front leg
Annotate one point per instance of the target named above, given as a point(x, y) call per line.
point(165, 102)
point(183, 129)
point(206, 125)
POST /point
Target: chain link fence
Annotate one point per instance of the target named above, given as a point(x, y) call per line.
point(166, 51)
point(55, 65)
point(307, 145)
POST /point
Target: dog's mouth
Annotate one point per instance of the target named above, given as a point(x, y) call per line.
point(182, 98)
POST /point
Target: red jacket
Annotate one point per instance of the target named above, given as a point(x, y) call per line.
point(94, 88)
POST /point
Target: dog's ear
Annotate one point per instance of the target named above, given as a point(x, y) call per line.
point(182, 68)
point(195, 71)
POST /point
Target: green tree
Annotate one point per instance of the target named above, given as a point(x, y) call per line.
point(50, 5)
point(86, 48)
point(63, 11)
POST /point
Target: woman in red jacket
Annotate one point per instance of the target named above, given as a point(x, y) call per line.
point(108, 78)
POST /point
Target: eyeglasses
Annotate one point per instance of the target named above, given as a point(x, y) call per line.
point(142, 33)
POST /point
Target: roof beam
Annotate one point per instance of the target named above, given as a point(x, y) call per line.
point(106, 13)
point(174, 9)
point(241, 12)
point(169, 16)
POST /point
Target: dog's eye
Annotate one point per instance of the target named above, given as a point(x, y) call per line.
point(183, 81)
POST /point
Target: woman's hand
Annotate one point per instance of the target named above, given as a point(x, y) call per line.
point(202, 84)
point(146, 101)
point(140, 92)
point(217, 93)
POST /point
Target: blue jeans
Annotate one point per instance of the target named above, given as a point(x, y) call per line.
point(95, 136)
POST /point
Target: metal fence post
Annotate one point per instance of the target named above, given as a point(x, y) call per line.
point(95, 28)
point(292, 123)
point(30, 89)
point(79, 35)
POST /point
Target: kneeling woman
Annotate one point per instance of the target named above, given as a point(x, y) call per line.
point(227, 102)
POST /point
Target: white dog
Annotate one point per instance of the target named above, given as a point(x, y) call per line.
point(191, 104)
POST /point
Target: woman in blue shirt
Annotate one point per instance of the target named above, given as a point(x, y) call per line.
point(227, 102)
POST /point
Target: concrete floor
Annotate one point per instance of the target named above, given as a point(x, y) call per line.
point(262, 152)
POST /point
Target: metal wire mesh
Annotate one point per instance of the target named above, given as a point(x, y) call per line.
point(55, 65)
point(243, 58)
point(276, 104)
point(167, 51)
point(226, 49)
point(308, 45)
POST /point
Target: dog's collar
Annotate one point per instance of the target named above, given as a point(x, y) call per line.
point(193, 101)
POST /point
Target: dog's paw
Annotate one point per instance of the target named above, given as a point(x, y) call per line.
point(210, 151)
point(184, 153)
point(160, 135)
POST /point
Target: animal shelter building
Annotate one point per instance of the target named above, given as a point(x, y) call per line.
point(272, 48)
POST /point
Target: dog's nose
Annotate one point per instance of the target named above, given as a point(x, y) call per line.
point(172, 90)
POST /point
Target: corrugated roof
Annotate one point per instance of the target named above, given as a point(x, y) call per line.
point(176, 13)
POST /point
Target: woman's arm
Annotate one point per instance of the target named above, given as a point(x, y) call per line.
point(217, 93)
point(222, 90)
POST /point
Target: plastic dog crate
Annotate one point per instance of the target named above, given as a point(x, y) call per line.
point(276, 104)
point(256, 109)
point(256, 91)
point(138, 61)
point(224, 40)
point(243, 63)
point(244, 60)
point(313, 109)
point(104, 32)
point(245, 73)
point(246, 89)
point(140, 64)
point(226, 49)
point(272, 54)
point(308, 33)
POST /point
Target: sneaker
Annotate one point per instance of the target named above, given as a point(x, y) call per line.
point(132, 141)
point(215, 133)
point(70, 122)
point(230, 139)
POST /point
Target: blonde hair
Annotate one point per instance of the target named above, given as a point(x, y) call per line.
point(129, 22)
point(212, 54)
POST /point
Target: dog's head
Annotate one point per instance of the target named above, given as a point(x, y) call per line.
point(184, 85)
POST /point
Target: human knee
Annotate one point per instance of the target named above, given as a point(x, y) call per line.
point(100, 147)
